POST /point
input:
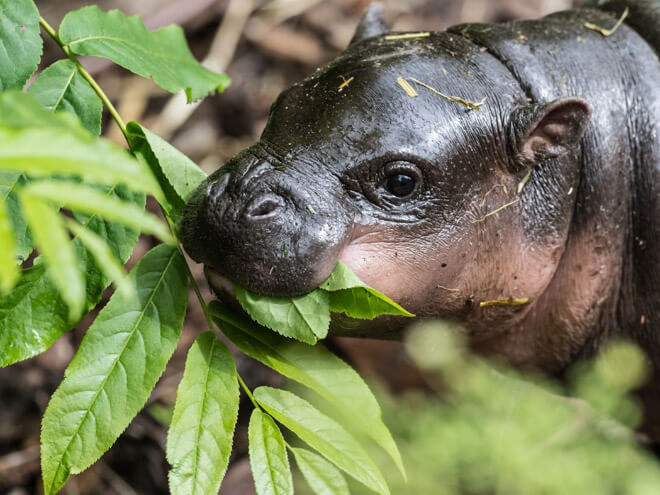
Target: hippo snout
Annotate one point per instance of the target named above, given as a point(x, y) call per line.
point(276, 230)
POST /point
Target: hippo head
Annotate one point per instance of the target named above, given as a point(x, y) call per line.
point(351, 166)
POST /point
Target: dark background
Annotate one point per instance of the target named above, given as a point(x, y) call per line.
point(265, 46)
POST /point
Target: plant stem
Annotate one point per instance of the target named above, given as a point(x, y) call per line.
point(86, 75)
point(198, 293)
point(247, 391)
point(209, 320)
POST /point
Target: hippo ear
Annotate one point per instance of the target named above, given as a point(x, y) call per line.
point(549, 130)
point(371, 25)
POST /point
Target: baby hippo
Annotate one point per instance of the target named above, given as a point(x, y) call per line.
point(504, 176)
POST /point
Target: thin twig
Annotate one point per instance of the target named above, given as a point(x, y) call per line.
point(496, 210)
point(177, 110)
point(483, 200)
point(472, 105)
point(15, 461)
point(118, 483)
point(612, 30)
point(407, 36)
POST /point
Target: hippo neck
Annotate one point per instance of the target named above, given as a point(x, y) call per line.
point(592, 294)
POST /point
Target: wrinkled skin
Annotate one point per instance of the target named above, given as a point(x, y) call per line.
point(575, 111)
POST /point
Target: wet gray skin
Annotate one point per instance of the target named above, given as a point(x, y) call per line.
point(420, 195)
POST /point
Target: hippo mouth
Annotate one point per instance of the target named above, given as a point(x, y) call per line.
point(353, 254)
point(221, 286)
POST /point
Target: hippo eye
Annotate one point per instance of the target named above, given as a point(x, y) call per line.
point(401, 185)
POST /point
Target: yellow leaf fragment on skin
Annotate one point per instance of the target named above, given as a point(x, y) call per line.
point(505, 301)
point(345, 83)
point(407, 36)
point(612, 30)
point(410, 91)
point(524, 180)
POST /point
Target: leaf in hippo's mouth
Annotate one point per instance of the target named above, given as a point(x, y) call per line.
point(304, 318)
point(354, 298)
point(307, 318)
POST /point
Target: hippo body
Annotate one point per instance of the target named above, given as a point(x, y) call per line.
point(532, 217)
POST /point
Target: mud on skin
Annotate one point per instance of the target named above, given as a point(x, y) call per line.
point(419, 195)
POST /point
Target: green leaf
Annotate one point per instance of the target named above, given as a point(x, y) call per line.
point(61, 87)
point(316, 368)
point(105, 258)
point(119, 361)
point(303, 318)
point(86, 199)
point(57, 250)
point(9, 183)
point(323, 477)
point(19, 110)
point(61, 153)
point(349, 295)
point(162, 55)
point(65, 147)
point(177, 174)
point(307, 317)
point(120, 238)
point(268, 459)
point(323, 434)
point(8, 268)
point(341, 278)
point(199, 441)
point(33, 315)
point(20, 41)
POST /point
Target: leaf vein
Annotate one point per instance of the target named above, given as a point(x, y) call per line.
point(65, 88)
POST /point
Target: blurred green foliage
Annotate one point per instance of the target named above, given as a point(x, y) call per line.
point(492, 430)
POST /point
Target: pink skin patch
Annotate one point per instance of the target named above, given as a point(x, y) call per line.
point(432, 278)
point(360, 258)
point(387, 268)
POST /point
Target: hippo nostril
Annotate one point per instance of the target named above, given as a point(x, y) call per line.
point(215, 190)
point(264, 207)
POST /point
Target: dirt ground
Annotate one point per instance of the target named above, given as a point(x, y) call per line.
point(264, 45)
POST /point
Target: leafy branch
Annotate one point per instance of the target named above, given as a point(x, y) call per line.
point(52, 158)
point(122, 127)
point(86, 75)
